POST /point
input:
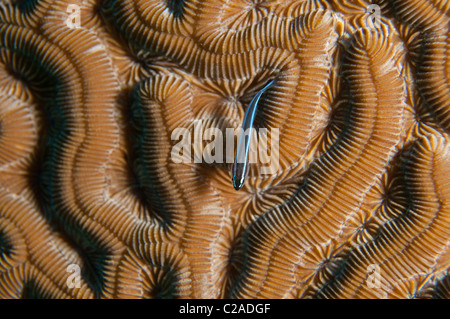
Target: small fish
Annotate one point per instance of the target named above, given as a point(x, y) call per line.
point(240, 167)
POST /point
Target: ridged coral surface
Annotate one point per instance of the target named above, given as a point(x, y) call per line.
point(93, 205)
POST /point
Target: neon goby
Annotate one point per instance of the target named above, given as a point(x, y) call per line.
point(241, 164)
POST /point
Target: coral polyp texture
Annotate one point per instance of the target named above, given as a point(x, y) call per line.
point(93, 204)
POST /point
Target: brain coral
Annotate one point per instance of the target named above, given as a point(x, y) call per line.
point(92, 204)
